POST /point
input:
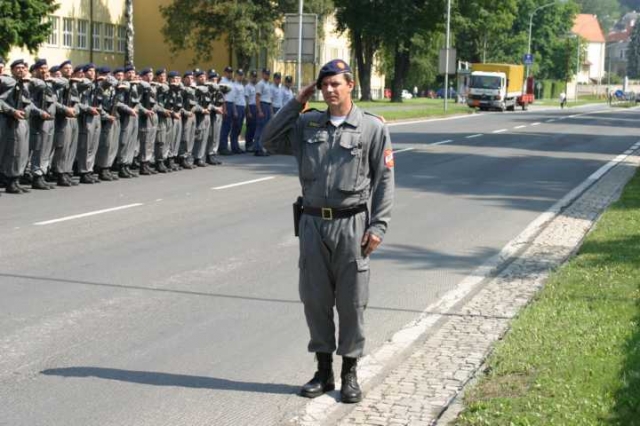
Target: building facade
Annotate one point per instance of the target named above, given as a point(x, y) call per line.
point(83, 31)
point(618, 44)
point(591, 65)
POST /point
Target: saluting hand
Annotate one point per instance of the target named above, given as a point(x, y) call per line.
point(306, 93)
point(369, 243)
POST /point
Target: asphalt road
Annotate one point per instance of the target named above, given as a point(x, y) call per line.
point(180, 307)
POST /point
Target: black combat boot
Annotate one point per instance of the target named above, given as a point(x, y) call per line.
point(200, 163)
point(144, 169)
point(131, 172)
point(105, 175)
point(160, 167)
point(70, 180)
point(39, 183)
point(213, 160)
point(350, 390)
point(86, 179)
point(323, 381)
point(13, 187)
point(123, 172)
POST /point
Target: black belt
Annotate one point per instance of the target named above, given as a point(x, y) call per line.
point(328, 213)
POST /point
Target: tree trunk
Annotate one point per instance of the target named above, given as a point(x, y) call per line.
point(364, 59)
point(129, 51)
point(400, 69)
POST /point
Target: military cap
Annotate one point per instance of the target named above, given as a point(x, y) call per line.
point(67, 62)
point(277, 75)
point(288, 78)
point(129, 67)
point(78, 68)
point(173, 74)
point(198, 73)
point(228, 69)
point(239, 71)
point(18, 62)
point(54, 68)
point(266, 71)
point(89, 66)
point(145, 71)
point(39, 63)
point(253, 73)
point(213, 71)
point(160, 71)
point(31, 68)
point(335, 67)
point(187, 74)
point(213, 74)
point(104, 70)
point(117, 70)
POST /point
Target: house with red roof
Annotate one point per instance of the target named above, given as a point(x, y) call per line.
point(591, 64)
point(618, 41)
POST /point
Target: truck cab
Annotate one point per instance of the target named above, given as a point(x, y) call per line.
point(488, 90)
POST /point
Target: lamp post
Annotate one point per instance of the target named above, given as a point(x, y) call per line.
point(531, 15)
point(446, 61)
point(299, 77)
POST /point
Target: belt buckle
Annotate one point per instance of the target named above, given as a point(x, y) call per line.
point(327, 213)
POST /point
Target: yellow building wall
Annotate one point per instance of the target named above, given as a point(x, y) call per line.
point(151, 49)
point(105, 12)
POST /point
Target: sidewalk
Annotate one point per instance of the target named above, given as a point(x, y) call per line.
point(423, 384)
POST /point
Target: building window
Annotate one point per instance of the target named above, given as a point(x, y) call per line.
point(108, 37)
point(55, 29)
point(82, 33)
point(97, 35)
point(122, 39)
point(67, 32)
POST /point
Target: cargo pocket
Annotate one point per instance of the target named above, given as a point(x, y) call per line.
point(315, 148)
point(361, 290)
point(350, 154)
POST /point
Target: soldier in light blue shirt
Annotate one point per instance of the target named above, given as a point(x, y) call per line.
point(228, 112)
point(252, 112)
point(276, 94)
point(240, 104)
point(287, 93)
point(264, 109)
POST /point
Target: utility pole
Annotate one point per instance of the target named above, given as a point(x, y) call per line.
point(300, 5)
point(446, 61)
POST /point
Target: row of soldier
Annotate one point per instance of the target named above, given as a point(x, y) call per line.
point(102, 125)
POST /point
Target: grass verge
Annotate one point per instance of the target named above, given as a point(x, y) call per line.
point(573, 356)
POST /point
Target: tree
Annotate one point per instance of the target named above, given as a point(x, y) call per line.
point(607, 11)
point(362, 19)
point(23, 23)
point(630, 4)
point(129, 52)
point(633, 54)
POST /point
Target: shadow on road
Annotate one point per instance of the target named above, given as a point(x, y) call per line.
point(166, 379)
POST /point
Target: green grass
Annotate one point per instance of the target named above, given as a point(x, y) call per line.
point(582, 100)
point(573, 356)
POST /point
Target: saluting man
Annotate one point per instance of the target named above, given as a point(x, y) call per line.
point(345, 162)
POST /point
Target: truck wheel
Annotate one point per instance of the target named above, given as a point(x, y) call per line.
point(511, 108)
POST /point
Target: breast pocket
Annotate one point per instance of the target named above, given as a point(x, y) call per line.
point(350, 173)
point(315, 148)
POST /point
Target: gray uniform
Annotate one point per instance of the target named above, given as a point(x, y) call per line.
point(216, 124)
point(342, 167)
point(148, 125)
point(89, 126)
point(129, 125)
point(66, 134)
point(203, 121)
point(42, 131)
point(165, 124)
point(188, 122)
point(16, 134)
point(6, 85)
point(112, 104)
point(175, 104)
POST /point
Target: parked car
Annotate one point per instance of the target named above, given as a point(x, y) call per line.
point(451, 95)
point(406, 94)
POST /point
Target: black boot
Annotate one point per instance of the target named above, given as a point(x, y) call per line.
point(160, 167)
point(13, 187)
point(323, 381)
point(70, 180)
point(350, 390)
point(104, 175)
point(130, 172)
point(39, 183)
point(144, 169)
point(123, 172)
point(85, 178)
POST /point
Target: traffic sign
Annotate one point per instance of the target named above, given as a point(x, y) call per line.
point(528, 59)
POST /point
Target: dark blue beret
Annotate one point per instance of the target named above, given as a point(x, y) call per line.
point(253, 73)
point(228, 69)
point(239, 71)
point(117, 70)
point(198, 73)
point(67, 62)
point(88, 66)
point(187, 74)
point(129, 68)
point(160, 71)
point(146, 71)
point(266, 71)
point(39, 63)
point(335, 67)
point(213, 74)
point(104, 70)
point(277, 75)
point(173, 74)
point(18, 62)
point(54, 68)
point(78, 68)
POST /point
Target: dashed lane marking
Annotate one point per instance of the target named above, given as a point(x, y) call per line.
point(248, 182)
point(93, 213)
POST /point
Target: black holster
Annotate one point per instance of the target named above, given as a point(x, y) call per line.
point(297, 214)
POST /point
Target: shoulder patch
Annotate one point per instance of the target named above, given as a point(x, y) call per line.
point(314, 124)
point(389, 162)
point(379, 117)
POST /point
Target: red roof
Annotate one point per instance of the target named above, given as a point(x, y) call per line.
point(618, 36)
point(588, 27)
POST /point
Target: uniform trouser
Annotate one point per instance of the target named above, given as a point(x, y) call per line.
point(176, 137)
point(203, 127)
point(251, 126)
point(163, 136)
point(108, 146)
point(88, 142)
point(147, 137)
point(262, 121)
point(227, 124)
point(3, 141)
point(334, 273)
point(236, 128)
point(16, 151)
point(66, 143)
point(128, 140)
point(214, 134)
point(42, 146)
point(188, 136)
point(276, 109)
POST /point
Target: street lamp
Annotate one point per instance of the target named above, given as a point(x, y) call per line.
point(446, 65)
point(531, 15)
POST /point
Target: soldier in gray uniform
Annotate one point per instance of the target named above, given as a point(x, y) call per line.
point(17, 106)
point(112, 101)
point(216, 121)
point(89, 125)
point(148, 120)
point(129, 125)
point(345, 162)
point(175, 104)
point(188, 121)
point(165, 122)
point(204, 104)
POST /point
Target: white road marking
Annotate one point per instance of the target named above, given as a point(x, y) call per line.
point(520, 127)
point(249, 182)
point(403, 150)
point(442, 142)
point(501, 131)
point(551, 121)
point(536, 124)
point(474, 136)
point(79, 216)
point(430, 120)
